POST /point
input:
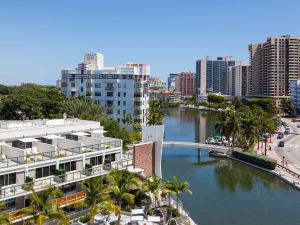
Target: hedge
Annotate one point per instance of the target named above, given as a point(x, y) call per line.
point(258, 160)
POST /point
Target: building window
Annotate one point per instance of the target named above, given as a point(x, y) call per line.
point(8, 179)
point(68, 166)
point(96, 160)
point(109, 94)
point(119, 94)
point(124, 85)
point(111, 157)
point(124, 103)
point(119, 102)
point(118, 111)
point(124, 94)
point(119, 85)
point(88, 94)
point(97, 85)
point(72, 84)
point(45, 171)
point(81, 89)
point(88, 85)
point(124, 112)
point(98, 93)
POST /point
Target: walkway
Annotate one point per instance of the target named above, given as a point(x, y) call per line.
point(208, 147)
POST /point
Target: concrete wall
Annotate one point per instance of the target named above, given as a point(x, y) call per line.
point(144, 157)
point(89, 140)
point(155, 134)
point(12, 152)
point(69, 145)
point(42, 147)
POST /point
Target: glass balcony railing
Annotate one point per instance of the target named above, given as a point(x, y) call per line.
point(59, 153)
point(74, 176)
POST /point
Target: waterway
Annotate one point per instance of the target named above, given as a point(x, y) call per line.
point(224, 192)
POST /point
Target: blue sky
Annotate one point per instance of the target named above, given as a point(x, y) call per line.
point(38, 38)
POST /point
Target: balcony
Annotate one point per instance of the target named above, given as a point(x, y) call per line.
point(35, 157)
point(11, 191)
point(108, 88)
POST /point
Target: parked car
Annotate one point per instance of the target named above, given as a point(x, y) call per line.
point(286, 132)
point(294, 120)
point(281, 144)
point(298, 125)
point(210, 140)
point(280, 135)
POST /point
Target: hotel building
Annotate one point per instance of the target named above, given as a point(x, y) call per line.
point(238, 80)
point(122, 90)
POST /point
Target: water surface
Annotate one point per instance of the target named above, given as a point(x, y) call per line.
point(224, 192)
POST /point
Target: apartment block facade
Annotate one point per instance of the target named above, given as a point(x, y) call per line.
point(122, 90)
point(295, 93)
point(34, 151)
point(272, 65)
point(238, 80)
point(171, 81)
point(212, 74)
point(185, 83)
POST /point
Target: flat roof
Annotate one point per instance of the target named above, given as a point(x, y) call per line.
point(28, 140)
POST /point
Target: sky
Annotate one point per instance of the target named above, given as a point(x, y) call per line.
point(39, 38)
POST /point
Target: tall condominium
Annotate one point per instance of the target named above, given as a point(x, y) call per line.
point(121, 90)
point(238, 80)
point(272, 65)
point(295, 93)
point(185, 83)
point(171, 81)
point(212, 75)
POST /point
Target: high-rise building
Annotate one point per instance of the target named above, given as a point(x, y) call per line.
point(122, 90)
point(185, 83)
point(295, 93)
point(96, 60)
point(171, 81)
point(238, 80)
point(212, 75)
point(272, 65)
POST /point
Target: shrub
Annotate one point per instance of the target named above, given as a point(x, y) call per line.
point(258, 160)
point(84, 219)
point(28, 179)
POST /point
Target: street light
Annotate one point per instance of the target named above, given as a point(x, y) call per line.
point(265, 139)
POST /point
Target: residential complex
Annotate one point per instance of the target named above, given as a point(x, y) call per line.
point(272, 65)
point(212, 75)
point(238, 80)
point(171, 81)
point(60, 152)
point(154, 83)
point(171, 96)
point(185, 83)
point(122, 90)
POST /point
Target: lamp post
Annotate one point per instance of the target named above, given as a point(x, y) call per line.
point(265, 139)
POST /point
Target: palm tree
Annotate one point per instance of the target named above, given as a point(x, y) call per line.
point(96, 199)
point(42, 209)
point(222, 127)
point(233, 124)
point(121, 182)
point(4, 218)
point(249, 128)
point(178, 188)
point(154, 186)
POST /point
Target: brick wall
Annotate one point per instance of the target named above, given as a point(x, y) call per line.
point(144, 157)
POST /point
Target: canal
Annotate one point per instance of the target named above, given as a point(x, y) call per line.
point(224, 192)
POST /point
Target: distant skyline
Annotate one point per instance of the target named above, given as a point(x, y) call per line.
point(39, 38)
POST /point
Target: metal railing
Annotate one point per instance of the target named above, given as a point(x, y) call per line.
point(288, 170)
point(40, 184)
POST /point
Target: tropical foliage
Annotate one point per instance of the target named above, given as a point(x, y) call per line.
point(42, 208)
point(155, 116)
point(4, 218)
point(245, 126)
point(287, 107)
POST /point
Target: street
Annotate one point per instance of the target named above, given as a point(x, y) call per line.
point(291, 149)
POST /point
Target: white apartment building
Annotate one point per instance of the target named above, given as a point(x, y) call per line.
point(238, 80)
point(122, 90)
point(60, 152)
point(295, 93)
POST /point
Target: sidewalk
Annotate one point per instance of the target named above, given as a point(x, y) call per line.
point(279, 171)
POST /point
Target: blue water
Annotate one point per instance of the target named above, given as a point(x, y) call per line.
point(224, 192)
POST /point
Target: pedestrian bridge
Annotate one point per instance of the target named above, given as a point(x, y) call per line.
point(201, 146)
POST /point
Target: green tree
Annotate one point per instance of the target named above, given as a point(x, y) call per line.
point(237, 103)
point(4, 218)
point(97, 199)
point(213, 98)
point(155, 186)
point(155, 116)
point(42, 208)
point(287, 107)
point(177, 188)
point(120, 184)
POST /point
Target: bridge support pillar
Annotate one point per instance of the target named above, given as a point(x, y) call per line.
point(199, 153)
